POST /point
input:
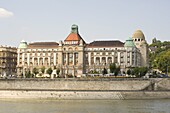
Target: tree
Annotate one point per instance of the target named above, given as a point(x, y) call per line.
point(104, 71)
point(159, 57)
point(112, 67)
point(49, 71)
point(117, 70)
point(28, 74)
point(139, 71)
point(128, 71)
point(163, 61)
point(35, 71)
point(58, 71)
point(136, 71)
point(143, 71)
point(43, 69)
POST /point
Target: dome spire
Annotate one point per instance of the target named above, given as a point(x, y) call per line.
point(74, 29)
point(22, 45)
point(138, 34)
point(129, 43)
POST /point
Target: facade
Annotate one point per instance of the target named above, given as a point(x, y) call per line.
point(74, 56)
point(8, 60)
point(141, 44)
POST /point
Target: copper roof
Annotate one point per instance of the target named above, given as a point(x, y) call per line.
point(43, 45)
point(108, 43)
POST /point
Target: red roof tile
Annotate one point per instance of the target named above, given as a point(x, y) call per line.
point(73, 37)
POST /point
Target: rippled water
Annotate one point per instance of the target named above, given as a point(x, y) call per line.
point(85, 106)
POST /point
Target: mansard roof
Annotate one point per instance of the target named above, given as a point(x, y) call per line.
point(106, 43)
point(43, 45)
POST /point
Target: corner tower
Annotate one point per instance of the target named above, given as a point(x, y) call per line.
point(141, 44)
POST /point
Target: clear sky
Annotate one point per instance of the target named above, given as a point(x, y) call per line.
point(50, 20)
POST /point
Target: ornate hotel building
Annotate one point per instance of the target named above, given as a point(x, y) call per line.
point(8, 60)
point(74, 56)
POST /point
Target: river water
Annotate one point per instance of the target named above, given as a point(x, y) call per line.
point(85, 106)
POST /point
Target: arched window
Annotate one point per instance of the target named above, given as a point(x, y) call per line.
point(70, 49)
point(76, 48)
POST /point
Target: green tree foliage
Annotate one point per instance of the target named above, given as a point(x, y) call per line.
point(35, 71)
point(117, 70)
point(94, 72)
point(112, 67)
point(143, 71)
point(43, 69)
point(159, 59)
point(139, 71)
point(28, 74)
point(162, 62)
point(49, 71)
point(136, 71)
point(104, 71)
point(58, 71)
point(128, 71)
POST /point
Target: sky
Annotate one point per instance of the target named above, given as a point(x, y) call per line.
point(51, 20)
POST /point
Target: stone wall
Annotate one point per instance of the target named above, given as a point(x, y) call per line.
point(115, 95)
point(85, 89)
point(72, 84)
point(162, 84)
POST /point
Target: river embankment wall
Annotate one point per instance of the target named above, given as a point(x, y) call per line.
point(85, 88)
point(74, 84)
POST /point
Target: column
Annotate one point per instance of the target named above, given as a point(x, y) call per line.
point(106, 60)
point(23, 58)
point(43, 60)
point(49, 63)
point(18, 58)
point(89, 58)
point(95, 60)
point(33, 61)
point(54, 58)
point(118, 57)
point(38, 61)
point(28, 59)
point(135, 58)
point(131, 58)
point(66, 58)
point(113, 59)
point(100, 60)
point(73, 59)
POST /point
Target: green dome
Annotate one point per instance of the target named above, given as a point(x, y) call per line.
point(23, 44)
point(129, 42)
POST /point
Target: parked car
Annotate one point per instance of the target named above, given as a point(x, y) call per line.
point(163, 76)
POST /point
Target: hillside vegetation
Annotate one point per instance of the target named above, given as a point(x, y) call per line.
point(159, 55)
